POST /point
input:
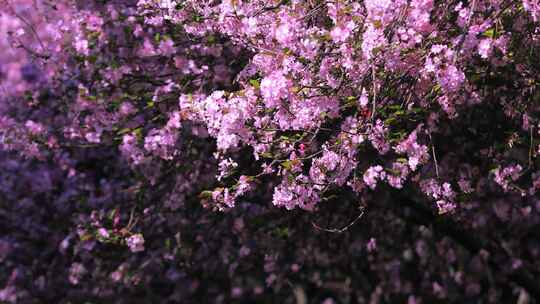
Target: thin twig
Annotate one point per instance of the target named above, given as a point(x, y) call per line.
point(31, 29)
point(531, 146)
point(341, 230)
point(270, 8)
point(434, 155)
point(374, 100)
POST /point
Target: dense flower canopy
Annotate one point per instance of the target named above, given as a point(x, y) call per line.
point(190, 150)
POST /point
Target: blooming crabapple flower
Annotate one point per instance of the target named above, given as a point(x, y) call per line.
point(533, 7)
point(328, 301)
point(224, 198)
point(167, 4)
point(225, 118)
point(503, 177)
point(377, 137)
point(166, 47)
point(81, 45)
point(102, 232)
point(271, 279)
point(117, 275)
point(465, 186)
point(340, 33)
point(273, 88)
point(93, 137)
point(174, 121)
point(398, 176)
point(432, 188)
point(447, 105)
point(236, 292)
point(76, 272)
point(485, 47)
point(161, 142)
point(420, 15)
point(372, 245)
point(451, 78)
point(35, 128)
point(130, 150)
point(127, 108)
point(285, 31)
point(372, 38)
point(19, 32)
point(445, 206)
point(296, 193)
point(244, 185)
point(244, 251)
point(250, 25)
point(363, 101)
point(136, 243)
point(373, 174)
point(416, 153)
point(330, 168)
point(302, 149)
point(267, 169)
point(442, 193)
point(226, 166)
point(283, 197)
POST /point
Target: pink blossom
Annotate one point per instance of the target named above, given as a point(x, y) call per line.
point(484, 48)
point(373, 175)
point(135, 243)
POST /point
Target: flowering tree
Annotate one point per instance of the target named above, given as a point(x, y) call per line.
point(321, 151)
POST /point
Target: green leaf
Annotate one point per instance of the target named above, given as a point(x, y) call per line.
point(267, 155)
point(255, 83)
point(124, 131)
point(112, 214)
point(86, 237)
point(287, 164)
point(205, 194)
point(490, 33)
